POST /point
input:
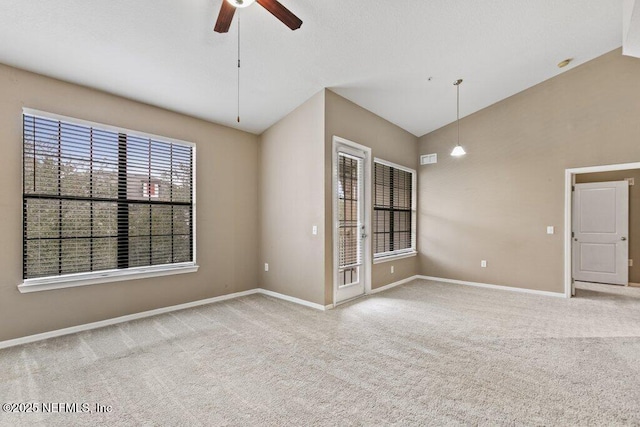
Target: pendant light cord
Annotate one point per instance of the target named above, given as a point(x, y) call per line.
point(457, 84)
point(238, 68)
point(458, 110)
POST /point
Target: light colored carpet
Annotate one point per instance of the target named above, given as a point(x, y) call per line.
point(424, 353)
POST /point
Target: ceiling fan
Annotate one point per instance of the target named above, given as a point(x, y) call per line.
point(229, 7)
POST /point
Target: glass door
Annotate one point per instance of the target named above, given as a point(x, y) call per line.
point(350, 222)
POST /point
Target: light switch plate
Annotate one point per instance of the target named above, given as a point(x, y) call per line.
point(551, 229)
point(314, 230)
point(483, 263)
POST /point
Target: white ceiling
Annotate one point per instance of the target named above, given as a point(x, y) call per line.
point(377, 53)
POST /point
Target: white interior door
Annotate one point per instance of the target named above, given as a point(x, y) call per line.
point(601, 232)
point(350, 236)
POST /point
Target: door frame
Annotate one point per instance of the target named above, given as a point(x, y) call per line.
point(366, 262)
point(569, 182)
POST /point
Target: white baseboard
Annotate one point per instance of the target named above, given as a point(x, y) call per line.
point(294, 299)
point(121, 319)
point(135, 316)
point(490, 286)
point(392, 285)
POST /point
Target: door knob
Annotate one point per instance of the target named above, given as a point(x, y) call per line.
point(623, 238)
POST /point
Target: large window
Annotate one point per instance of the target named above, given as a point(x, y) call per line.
point(394, 229)
point(100, 199)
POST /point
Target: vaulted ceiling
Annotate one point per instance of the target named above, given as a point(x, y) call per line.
point(396, 58)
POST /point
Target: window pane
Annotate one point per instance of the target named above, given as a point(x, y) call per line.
point(139, 220)
point(105, 219)
point(105, 254)
point(182, 220)
point(181, 249)
point(161, 220)
point(76, 255)
point(161, 250)
point(42, 258)
point(76, 219)
point(42, 218)
point(139, 251)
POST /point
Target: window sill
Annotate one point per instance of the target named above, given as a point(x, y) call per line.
point(94, 278)
point(394, 257)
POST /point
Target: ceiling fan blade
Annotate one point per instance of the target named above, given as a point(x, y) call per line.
point(282, 13)
point(224, 17)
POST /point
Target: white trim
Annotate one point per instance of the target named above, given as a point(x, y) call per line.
point(121, 319)
point(393, 165)
point(491, 286)
point(293, 299)
point(352, 144)
point(393, 285)
point(102, 126)
point(107, 276)
point(569, 180)
point(394, 257)
point(135, 316)
point(349, 147)
point(194, 205)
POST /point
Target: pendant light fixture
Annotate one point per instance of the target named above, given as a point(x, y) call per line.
point(458, 150)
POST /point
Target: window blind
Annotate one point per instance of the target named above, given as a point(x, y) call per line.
point(349, 192)
point(393, 210)
point(101, 199)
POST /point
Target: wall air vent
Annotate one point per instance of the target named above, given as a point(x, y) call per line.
point(428, 159)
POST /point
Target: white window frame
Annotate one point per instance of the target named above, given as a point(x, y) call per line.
point(401, 253)
point(116, 275)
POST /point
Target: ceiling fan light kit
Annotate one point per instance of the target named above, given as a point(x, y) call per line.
point(458, 150)
point(241, 3)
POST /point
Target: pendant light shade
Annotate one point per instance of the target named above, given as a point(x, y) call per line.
point(458, 150)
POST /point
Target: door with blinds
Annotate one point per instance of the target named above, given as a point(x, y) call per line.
point(351, 266)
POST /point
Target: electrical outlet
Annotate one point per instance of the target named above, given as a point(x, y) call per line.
point(314, 230)
point(630, 263)
point(483, 263)
point(392, 270)
point(266, 266)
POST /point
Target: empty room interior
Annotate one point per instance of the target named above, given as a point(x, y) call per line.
point(296, 212)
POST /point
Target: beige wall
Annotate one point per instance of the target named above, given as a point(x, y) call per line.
point(227, 223)
point(292, 202)
point(495, 202)
point(387, 141)
point(634, 211)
